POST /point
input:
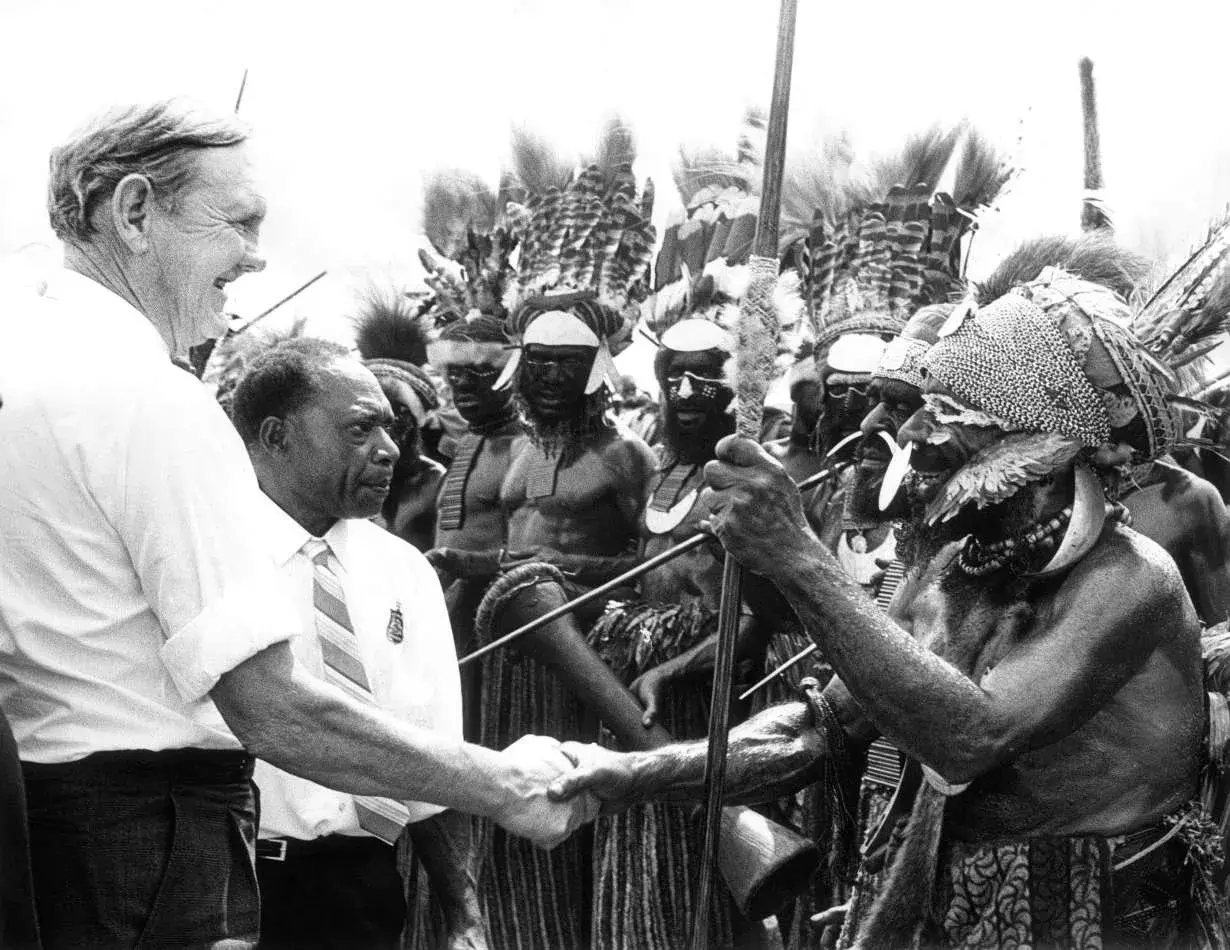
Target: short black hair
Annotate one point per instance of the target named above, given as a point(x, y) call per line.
point(281, 380)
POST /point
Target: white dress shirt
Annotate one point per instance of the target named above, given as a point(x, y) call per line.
point(130, 578)
point(417, 680)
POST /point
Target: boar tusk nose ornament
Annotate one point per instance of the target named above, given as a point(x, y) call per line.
point(898, 469)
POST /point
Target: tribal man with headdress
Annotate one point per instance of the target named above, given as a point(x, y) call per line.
point(1039, 666)
point(573, 499)
point(647, 859)
point(391, 335)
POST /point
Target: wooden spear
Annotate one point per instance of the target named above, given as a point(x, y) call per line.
point(757, 345)
point(1093, 212)
point(290, 296)
point(678, 550)
point(242, 85)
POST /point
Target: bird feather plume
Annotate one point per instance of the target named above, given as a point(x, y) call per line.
point(1189, 314)
point(454, 202)
point(389, 325)
point(821, 182)
point(1093, 256)
point(535, 167)
point(981, 172)
point(922, 160)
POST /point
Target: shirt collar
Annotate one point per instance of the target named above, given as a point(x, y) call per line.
point(97, 303)
point(285, 537)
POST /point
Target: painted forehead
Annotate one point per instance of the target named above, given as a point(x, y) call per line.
point(706, 363)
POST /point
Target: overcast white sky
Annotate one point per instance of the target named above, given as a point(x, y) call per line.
point(352, 101)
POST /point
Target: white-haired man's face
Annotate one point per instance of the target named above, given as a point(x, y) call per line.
point(208, 239)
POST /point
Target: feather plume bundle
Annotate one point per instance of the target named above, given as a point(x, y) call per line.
point(1190, 313)
point(872, 254)
point(1093, 256)
point(388, 325)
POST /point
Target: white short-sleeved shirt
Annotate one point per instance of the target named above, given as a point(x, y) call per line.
point(386, 582)
point(130, 579)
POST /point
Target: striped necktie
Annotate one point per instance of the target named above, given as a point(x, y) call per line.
point(339, 647)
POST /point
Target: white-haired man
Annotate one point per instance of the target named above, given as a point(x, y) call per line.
point(144, 651)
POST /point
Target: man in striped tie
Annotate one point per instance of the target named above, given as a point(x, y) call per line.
point(373, 625)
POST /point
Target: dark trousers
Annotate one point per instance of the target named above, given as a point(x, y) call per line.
point(336, 892)
point(18, 923)
point(144, 849)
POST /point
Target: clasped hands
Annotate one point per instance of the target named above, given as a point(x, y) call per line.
point(758, 516)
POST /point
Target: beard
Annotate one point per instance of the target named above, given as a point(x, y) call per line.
point(568, 437)
point(862, 503)
point(919, 542)
point(698, 444)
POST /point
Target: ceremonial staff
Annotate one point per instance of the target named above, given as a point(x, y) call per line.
point(756, 348)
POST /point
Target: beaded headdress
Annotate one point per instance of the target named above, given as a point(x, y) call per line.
point(1057, 355)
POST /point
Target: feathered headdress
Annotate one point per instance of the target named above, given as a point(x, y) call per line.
point(1183, 321)
point(464, 220)
point(702, 271)
point(867, 266)
point(392, 333)
point(585, 251)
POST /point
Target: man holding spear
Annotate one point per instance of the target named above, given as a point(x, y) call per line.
point(1039, 667)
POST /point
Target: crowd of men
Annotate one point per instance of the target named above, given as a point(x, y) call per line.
point(977, 635)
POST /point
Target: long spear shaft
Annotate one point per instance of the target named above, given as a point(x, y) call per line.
point(242, 85)
point(289, 297)
point(751, 410)
point(678, 550)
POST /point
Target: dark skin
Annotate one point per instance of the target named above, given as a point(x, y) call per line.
point(333, 459)
point(589, 526)
point(1089, 719)
point(410, 511)
point(695, 577)
point(1185, 515)
point(472, 551)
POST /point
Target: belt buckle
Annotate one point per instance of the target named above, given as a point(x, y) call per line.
point(274, 849)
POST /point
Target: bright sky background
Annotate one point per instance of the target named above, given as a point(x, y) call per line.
point(352, 102)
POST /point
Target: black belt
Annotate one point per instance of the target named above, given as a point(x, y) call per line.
point(184, 765)
point(283, 849)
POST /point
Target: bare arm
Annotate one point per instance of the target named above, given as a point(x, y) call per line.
point(773, 754)
point(1110, 614)
point(284, 715)
point(445, 845)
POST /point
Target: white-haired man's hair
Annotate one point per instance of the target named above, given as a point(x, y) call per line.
point(158, 140)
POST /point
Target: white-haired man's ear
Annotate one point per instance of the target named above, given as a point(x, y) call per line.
point(131, 212)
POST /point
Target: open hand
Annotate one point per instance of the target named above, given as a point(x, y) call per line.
point(534, 762)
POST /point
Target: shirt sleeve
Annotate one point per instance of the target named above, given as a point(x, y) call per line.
point(436, 621)
point(185, 503)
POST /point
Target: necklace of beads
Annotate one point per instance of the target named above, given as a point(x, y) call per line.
point(977, 559)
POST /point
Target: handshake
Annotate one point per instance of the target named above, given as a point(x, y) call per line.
point(553, 788)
